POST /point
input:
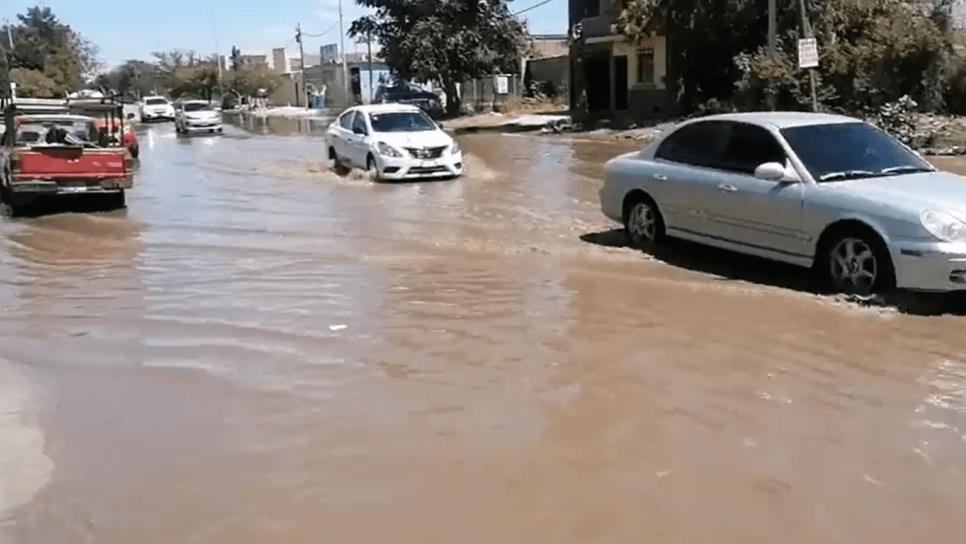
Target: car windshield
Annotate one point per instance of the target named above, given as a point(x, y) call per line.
point(845, 151)
point(155, 101)
point(196, 107)
point(401, 121)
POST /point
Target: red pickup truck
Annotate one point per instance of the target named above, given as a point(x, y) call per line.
point(47, 153)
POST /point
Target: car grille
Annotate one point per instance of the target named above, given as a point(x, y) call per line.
point(426, 152)
point(427, 170)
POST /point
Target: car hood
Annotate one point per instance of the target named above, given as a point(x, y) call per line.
point(913, 192)
point(429, 138)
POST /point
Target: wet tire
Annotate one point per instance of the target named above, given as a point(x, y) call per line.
point(135, 151)
point(116, 201)
point(857, 263)
point(643, 223)
point(337, 166)
point(372, 169)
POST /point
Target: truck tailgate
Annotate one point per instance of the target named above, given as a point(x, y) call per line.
point(69, 163)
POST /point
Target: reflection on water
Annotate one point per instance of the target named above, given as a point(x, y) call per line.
point(260, 350)
point(316, 124)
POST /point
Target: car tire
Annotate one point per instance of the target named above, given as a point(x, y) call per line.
point(116, 201)
point(136, 151)
point(857, 263)
point(337, 166)
point(372, 168)
point(643, 222)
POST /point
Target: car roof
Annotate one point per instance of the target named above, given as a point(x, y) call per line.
point(781, 119)
point(387, 108)
point(154, 97)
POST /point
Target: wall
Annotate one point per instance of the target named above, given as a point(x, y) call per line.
point(659, 45)
point(555, 70)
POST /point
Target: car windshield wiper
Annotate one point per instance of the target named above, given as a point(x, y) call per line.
point(907, 169)
point(848, 174)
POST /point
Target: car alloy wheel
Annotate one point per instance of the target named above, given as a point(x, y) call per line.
point(644, 224)
point(854, 267)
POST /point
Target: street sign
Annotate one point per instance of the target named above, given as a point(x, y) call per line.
point(808, 53)
point(502, 84)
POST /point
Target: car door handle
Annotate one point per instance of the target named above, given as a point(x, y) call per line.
point(727, 188)
point(660, 177)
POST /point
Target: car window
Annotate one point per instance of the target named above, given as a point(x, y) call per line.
point(834, 152)
point(402, 121)
point(346, 120)
point(698, 144)
point(749, 147)
point(196, 106)
point(155, 101)
point(359, 124)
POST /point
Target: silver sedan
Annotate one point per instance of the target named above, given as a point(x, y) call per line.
point(814, 190)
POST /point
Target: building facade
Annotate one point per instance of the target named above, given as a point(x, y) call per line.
point(611, 76)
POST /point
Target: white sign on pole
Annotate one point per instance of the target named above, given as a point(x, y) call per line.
point(502, 85)
point(808, 53)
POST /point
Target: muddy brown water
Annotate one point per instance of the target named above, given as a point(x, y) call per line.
point(258, 350)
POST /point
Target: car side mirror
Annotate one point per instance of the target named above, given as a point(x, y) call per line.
point(130, 116)
point(359, 131)
point(776, 171)
point(441, 126)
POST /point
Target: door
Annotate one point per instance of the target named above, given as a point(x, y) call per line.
point(686, 177)
point(761, 214)
point(597, 82)
point(358, 142)
point(620, 83)
point(341, 133)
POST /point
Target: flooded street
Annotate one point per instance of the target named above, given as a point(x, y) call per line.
point(258, 350)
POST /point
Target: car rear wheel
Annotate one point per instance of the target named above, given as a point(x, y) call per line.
point(643, 223)
point(858, 264)
point(337, 166)
point(135, 151)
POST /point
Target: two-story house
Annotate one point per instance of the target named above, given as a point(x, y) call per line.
point(611, 76)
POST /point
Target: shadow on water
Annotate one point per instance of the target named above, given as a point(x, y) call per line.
point(730, 266)
point(67, 204)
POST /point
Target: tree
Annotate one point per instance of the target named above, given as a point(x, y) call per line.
point(33, 83)
point(449, 41)
point(254, 81)
point(46, 45)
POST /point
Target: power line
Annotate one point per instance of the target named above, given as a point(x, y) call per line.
point(319, 35)
point(531, 8)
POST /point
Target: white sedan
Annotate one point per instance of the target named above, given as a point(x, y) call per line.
point(197, 116)
point(153, 108)
point(393, 142)
point(813, 190)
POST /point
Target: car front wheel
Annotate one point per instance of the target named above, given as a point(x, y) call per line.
point(644, 223)
point(858, 264)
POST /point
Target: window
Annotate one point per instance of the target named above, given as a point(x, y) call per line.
point(156, 101)
point(402, 122)
point(359, 124)
point(749, 147)
point(851, 150)
point(197, 106)
point(346, 120)
point(645, 66)
point(591, 8)
point(697, 144)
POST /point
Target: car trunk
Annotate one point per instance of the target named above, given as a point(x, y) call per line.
point(59, 167)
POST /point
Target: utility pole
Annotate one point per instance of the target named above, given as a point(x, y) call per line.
point(10, 36)
point(369, 57)
point(221, 87)
point(298, 38)
point(345, 64)
point(772, 49)
point(807, 33)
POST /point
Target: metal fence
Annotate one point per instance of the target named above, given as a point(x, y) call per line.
point(488, 93)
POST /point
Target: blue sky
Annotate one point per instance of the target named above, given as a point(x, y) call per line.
point(124, 29)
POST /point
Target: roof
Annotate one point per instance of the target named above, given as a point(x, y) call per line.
point(781, 119)
point(45, 117)
point(386, 108)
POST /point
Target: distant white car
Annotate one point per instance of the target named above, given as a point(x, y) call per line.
point(155, 108)
point(393, 142)
point(197, 116)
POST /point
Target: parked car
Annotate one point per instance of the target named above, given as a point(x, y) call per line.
point(813, 190)
point(156, 108)
point(393, 142)
point(197, 116)
point(404, 93)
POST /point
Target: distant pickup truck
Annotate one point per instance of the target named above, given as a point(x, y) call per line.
point(49, 152)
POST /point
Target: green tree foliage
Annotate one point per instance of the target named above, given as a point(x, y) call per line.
point(44, 46)
point(448, 41)
point(254, 81)
point(872, 51)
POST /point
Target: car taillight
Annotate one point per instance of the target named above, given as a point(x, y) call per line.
point(15, 164)
point(128, 162)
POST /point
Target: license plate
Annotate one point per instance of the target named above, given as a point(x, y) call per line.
point(74, 189)
point(428, 164)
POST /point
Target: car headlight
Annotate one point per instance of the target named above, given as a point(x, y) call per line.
point(455, 149)
point(387, 150)
point(944, 226)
